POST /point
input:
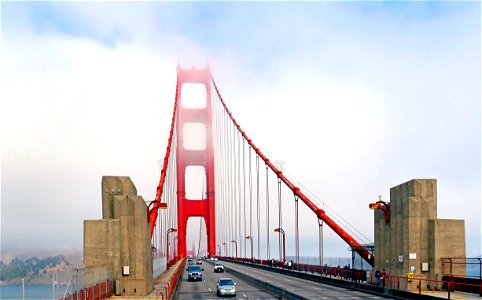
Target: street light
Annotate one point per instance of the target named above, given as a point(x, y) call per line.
point(176, 243)
point(167, 243)
point(219, 250)
point(280, 230)
point(225, 249)
point(251, 238)
point(235, 247)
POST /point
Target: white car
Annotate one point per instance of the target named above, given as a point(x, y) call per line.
point(218, 268)
point(226, 287)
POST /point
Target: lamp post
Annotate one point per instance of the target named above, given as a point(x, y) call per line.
point(167, 243)
point(225, 249)
point(235, 247)
point(280, 230)
point(251, 239)
point(219, 250)
point(175, 247)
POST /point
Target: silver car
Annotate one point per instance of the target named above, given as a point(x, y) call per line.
point(226, 287)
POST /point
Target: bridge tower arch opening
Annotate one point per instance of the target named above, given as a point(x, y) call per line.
point(194, 118)
point(196, 236)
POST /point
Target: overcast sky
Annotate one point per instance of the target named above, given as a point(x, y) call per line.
point(354, 97)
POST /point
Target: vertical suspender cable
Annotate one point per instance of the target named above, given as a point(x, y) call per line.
point(230, 186)
point(250, 202)
point(320, 226)
point(280, 223)
point(240, 238)
point(222, 147)
point(297, 234)
point(235, 185)
point(258, 206)
point(267, 215)
point(243, 238)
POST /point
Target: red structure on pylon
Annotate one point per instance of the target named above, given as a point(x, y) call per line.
point(187, 208)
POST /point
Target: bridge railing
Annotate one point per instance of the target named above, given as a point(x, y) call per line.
point(418, 285)
point(97, 284)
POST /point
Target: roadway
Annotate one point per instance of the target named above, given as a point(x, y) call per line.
point(304, 288)
point(206, 289)
point(301, 287)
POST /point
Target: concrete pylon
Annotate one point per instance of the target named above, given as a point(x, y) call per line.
point(414, 239)
point(121, 239)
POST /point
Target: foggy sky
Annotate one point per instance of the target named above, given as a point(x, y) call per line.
point(359, 97)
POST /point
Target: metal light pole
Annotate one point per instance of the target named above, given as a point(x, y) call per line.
point(167, 244)
point(175, 247)
point(280, 230)
point(320, 226)
point(251, 239)
point(219, 250)
point(225, 249)
point(236, 247)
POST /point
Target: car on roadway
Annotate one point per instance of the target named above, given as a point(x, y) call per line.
point(226, 287)
point(195, 273)
point(199, 262)
point(189, 264)
point(218, 268)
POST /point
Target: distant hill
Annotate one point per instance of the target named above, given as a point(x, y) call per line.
point(30, 269)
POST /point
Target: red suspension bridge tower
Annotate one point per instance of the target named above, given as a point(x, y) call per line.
point(230, 163)
point(204, 207)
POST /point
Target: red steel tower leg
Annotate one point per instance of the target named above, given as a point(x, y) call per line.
point(186, 207)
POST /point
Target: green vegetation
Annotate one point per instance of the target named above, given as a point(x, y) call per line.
point(33, 266)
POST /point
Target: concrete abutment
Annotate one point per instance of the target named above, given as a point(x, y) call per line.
point(121, 239)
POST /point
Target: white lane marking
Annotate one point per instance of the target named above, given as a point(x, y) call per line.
point(209, 289)
point(244, 295)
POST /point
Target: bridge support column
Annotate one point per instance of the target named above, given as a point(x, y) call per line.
point(412, 239)
point(185, 157)
point(118, 247)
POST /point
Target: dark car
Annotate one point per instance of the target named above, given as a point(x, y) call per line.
point(195, 273)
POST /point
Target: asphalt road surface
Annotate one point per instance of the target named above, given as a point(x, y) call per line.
point(308, 289)
point(206, 289)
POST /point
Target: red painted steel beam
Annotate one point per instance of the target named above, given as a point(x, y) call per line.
point(320, 213)
point(204, 208)
point(152, 213)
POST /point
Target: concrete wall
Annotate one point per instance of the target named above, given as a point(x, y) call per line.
point(442, 230)
point(122, 238)
point(114, 186)
point(414, 235)
point(102, 244)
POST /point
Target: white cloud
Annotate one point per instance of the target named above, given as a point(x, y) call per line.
point(73, 111)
